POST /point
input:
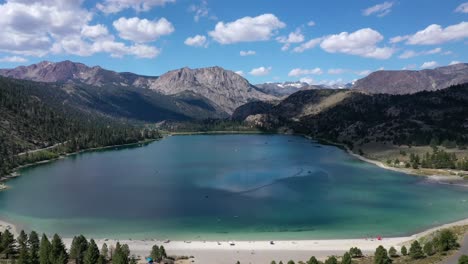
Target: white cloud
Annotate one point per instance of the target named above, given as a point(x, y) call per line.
point(261, 71)
point(454, 62)
point(298, 72)
point(96, 31)
point(307, 45)
point(293, 37)
point(398, 39)
point(30, 28)
point(435, 34)
point(311, 23)
point(462, 8)
point(307, 80)
point(15, 59)
point(200, 11)
point(246, 29)
point(247, 52)
point(196, 41)
point(336, 71)
point(241, 73)
point(380, 10)
point(362, 43)
point(410, 53)
point(41, 27)
point(429, 64)
point(142, 30)
point(115, 6)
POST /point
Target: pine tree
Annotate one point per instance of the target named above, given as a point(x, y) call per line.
point(162, 250)
point(416, 251)
point(355, 252)
point(312, 260)
point(404, 251)
point(119, 256)
point(331, 260)
point(44, 250)
point(58, 253)
point(78, 248)
point(101, 260)
point(23, 254)
point(91, 254)
point(381, 256)
point(104, 251)
point(7, 244)
point(392, 252)
point(346, 258)
point(33, 243)
point(155, 253)
point(429, 248)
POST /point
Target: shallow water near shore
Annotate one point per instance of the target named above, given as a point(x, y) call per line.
point(210, 187)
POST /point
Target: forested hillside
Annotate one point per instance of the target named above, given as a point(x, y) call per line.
point(29, 122)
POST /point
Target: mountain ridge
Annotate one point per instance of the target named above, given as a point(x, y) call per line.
point(409, 81)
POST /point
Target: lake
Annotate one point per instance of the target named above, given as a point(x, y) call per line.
point(208, 187)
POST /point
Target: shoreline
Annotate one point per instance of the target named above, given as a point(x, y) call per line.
point(257, 251)
point(438, 178)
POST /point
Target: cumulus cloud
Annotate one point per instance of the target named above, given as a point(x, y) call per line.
point(196, 41)
point(142, 30)
point(293, 37)
point(260, 71)
point(411, 53)
point(30, 28)
point(241, 73)
point(247, 53)
point(362, 43)
point(380, 10)
point(454, 62)
point(94, 32)
point(14, 59)
point(41, 27)
point(435, 34)
point(115, 6)
point(246, 29)
point(429, 64)
point(462, 8)
point(311, 23)
point(298, 72)
point(307, 45)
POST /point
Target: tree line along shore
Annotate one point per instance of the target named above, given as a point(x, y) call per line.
point(33, 249)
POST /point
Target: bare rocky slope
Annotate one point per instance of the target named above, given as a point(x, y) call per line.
point(408, 82)
point(226, 88)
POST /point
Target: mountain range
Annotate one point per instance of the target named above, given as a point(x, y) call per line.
point(213, 92)
point(222, 89)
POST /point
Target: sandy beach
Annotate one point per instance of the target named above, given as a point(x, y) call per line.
point(228, 252)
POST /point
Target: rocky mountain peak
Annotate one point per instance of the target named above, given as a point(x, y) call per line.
point(226, 88)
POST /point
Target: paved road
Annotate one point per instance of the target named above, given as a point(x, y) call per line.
point(462, 251)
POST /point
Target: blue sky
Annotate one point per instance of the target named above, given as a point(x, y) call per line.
point(314, 41)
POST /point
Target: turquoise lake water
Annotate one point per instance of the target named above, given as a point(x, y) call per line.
point(210, 187)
